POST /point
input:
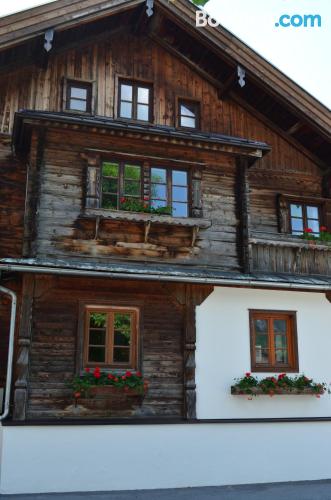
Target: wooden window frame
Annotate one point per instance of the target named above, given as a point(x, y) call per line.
point(82, 84)
point(121, 163)
point(135, 84)
point(110, 310)
point(284, 213)
point(169, 185)
point(197, 105)
point(292, 341)
point(304, 205)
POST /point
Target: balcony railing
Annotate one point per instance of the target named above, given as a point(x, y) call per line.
point(290, 255)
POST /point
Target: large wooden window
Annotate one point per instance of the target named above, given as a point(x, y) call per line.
point(78, 96)
point(304, 216)
point(120, 181)
point(273, 341)
point(111, 337)
point(188, 114)
point(169, 188)
point(135, 101)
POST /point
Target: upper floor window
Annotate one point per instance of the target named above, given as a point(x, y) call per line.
point(121, 183)
point(273, 341)
point(169, 188)
point(79, 96)
point(304, 216)
point(135, 101)
point(189, 114)
point(111, 337)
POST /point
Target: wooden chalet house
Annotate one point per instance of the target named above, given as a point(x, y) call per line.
point(165, 208)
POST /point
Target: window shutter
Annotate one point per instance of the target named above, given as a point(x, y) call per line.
point(283, 214)
point(92, 198)
point(196, 193)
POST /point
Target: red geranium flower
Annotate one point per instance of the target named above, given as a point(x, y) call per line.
point(110, 376)
point(122, 200)
point(123, 377)
point(145, 198)
point(323, 229)
point(248, 374)
point(97, 374)
point(139, 374)
point(128, 374)
point(87, 370)
point(308, 230)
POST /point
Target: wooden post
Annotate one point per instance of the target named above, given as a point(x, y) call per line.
point(24, 340)
point(243, 214)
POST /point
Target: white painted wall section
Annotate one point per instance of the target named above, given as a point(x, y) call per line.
point(223, 352)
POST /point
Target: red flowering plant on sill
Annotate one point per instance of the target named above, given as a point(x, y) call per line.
point(88, 384)
point(281, 384)
point(137, 205)
point(323, 237)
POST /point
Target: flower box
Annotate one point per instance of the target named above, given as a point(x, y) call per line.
point(257, 391)
point(112, 398)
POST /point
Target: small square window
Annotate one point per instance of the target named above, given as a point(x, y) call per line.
point(79, 96)
point(273, 341)
point(111, 336)
point(189, 114)
point(135, 101)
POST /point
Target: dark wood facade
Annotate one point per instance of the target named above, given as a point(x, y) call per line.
point(48, 211)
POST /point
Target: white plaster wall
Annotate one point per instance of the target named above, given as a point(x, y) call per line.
point(101, 458)
point(223, 352)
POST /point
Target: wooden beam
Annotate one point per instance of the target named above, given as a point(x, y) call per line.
point(243, 215)
point(297, 126)
point(227, 86)
point(24, 341)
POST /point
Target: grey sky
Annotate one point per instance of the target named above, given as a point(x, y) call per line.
point(302, 53)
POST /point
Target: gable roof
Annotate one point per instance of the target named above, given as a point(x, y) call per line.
point(275, 98)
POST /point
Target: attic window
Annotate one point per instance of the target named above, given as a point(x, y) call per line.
point(189, 114)
point(135, 101)
point(79, 96)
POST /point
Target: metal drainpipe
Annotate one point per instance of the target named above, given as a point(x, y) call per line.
point(13, 297)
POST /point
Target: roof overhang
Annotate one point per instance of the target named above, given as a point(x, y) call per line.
point(234, 146)
point(164, 273)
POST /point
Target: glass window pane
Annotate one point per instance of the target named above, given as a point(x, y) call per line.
point(126, 92)
point(97, 337)
point(314, 225)
point(187, 122)
point(281, 356)
point(121, 339)
point(312, 212)
point(132, 172)
point(126, 110)
point(98, 320)
point(187, 110)
point(132, 188)
point(158, 175)
point(279, 326)
point(109, 201)
point(78, 93)
point(297, 225)
point(122, 324)
point(179, 209)
point(281, 341)
point(296, 210)
point(142, 112)
point(121, 355)
point(76, 105)
point(110, 169)
point(261, 326)
point(96, 354)
point(158, 203)
point(261, 341)
point(261, 355)
point(159, 191)
point(143, 95)
point(179, 178)
point(110, 185)
point(179, 193)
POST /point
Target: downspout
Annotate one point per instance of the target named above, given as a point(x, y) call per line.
point(12, 295)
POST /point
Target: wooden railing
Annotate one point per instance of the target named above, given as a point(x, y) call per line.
point(289, 256)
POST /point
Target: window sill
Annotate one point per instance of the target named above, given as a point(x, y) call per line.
point(286, 240)
point(126, 216)
point(235, 391)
